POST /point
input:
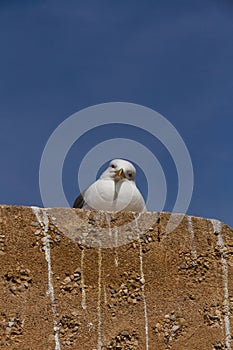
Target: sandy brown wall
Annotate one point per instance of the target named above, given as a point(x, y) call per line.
point(73, 279)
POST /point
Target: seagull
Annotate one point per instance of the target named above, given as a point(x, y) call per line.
point(115, 190)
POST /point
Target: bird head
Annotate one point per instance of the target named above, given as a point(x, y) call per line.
point(120, 169)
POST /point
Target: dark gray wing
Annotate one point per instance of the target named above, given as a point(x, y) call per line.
point(79, 201)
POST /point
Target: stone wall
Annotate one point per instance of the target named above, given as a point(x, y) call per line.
point(74, 279)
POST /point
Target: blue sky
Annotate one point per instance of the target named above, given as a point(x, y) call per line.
point(58, 57)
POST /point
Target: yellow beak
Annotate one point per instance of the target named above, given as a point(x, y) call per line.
point(120, 173)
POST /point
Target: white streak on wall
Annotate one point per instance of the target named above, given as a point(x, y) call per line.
point(217, 226)
point(142, 280)
point(99, 343)
point(105, 296)
point(115, 233)
point(82, 280)
point(108, 219)
point(43, 220)
point(192, 238)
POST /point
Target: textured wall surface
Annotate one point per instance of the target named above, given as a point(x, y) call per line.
point(73, 279)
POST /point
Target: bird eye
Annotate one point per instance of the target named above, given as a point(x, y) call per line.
point(112, 166)
point(130, 175)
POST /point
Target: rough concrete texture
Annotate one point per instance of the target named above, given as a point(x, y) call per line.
point(73, 279)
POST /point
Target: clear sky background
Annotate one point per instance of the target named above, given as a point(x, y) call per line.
point(174, 56)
